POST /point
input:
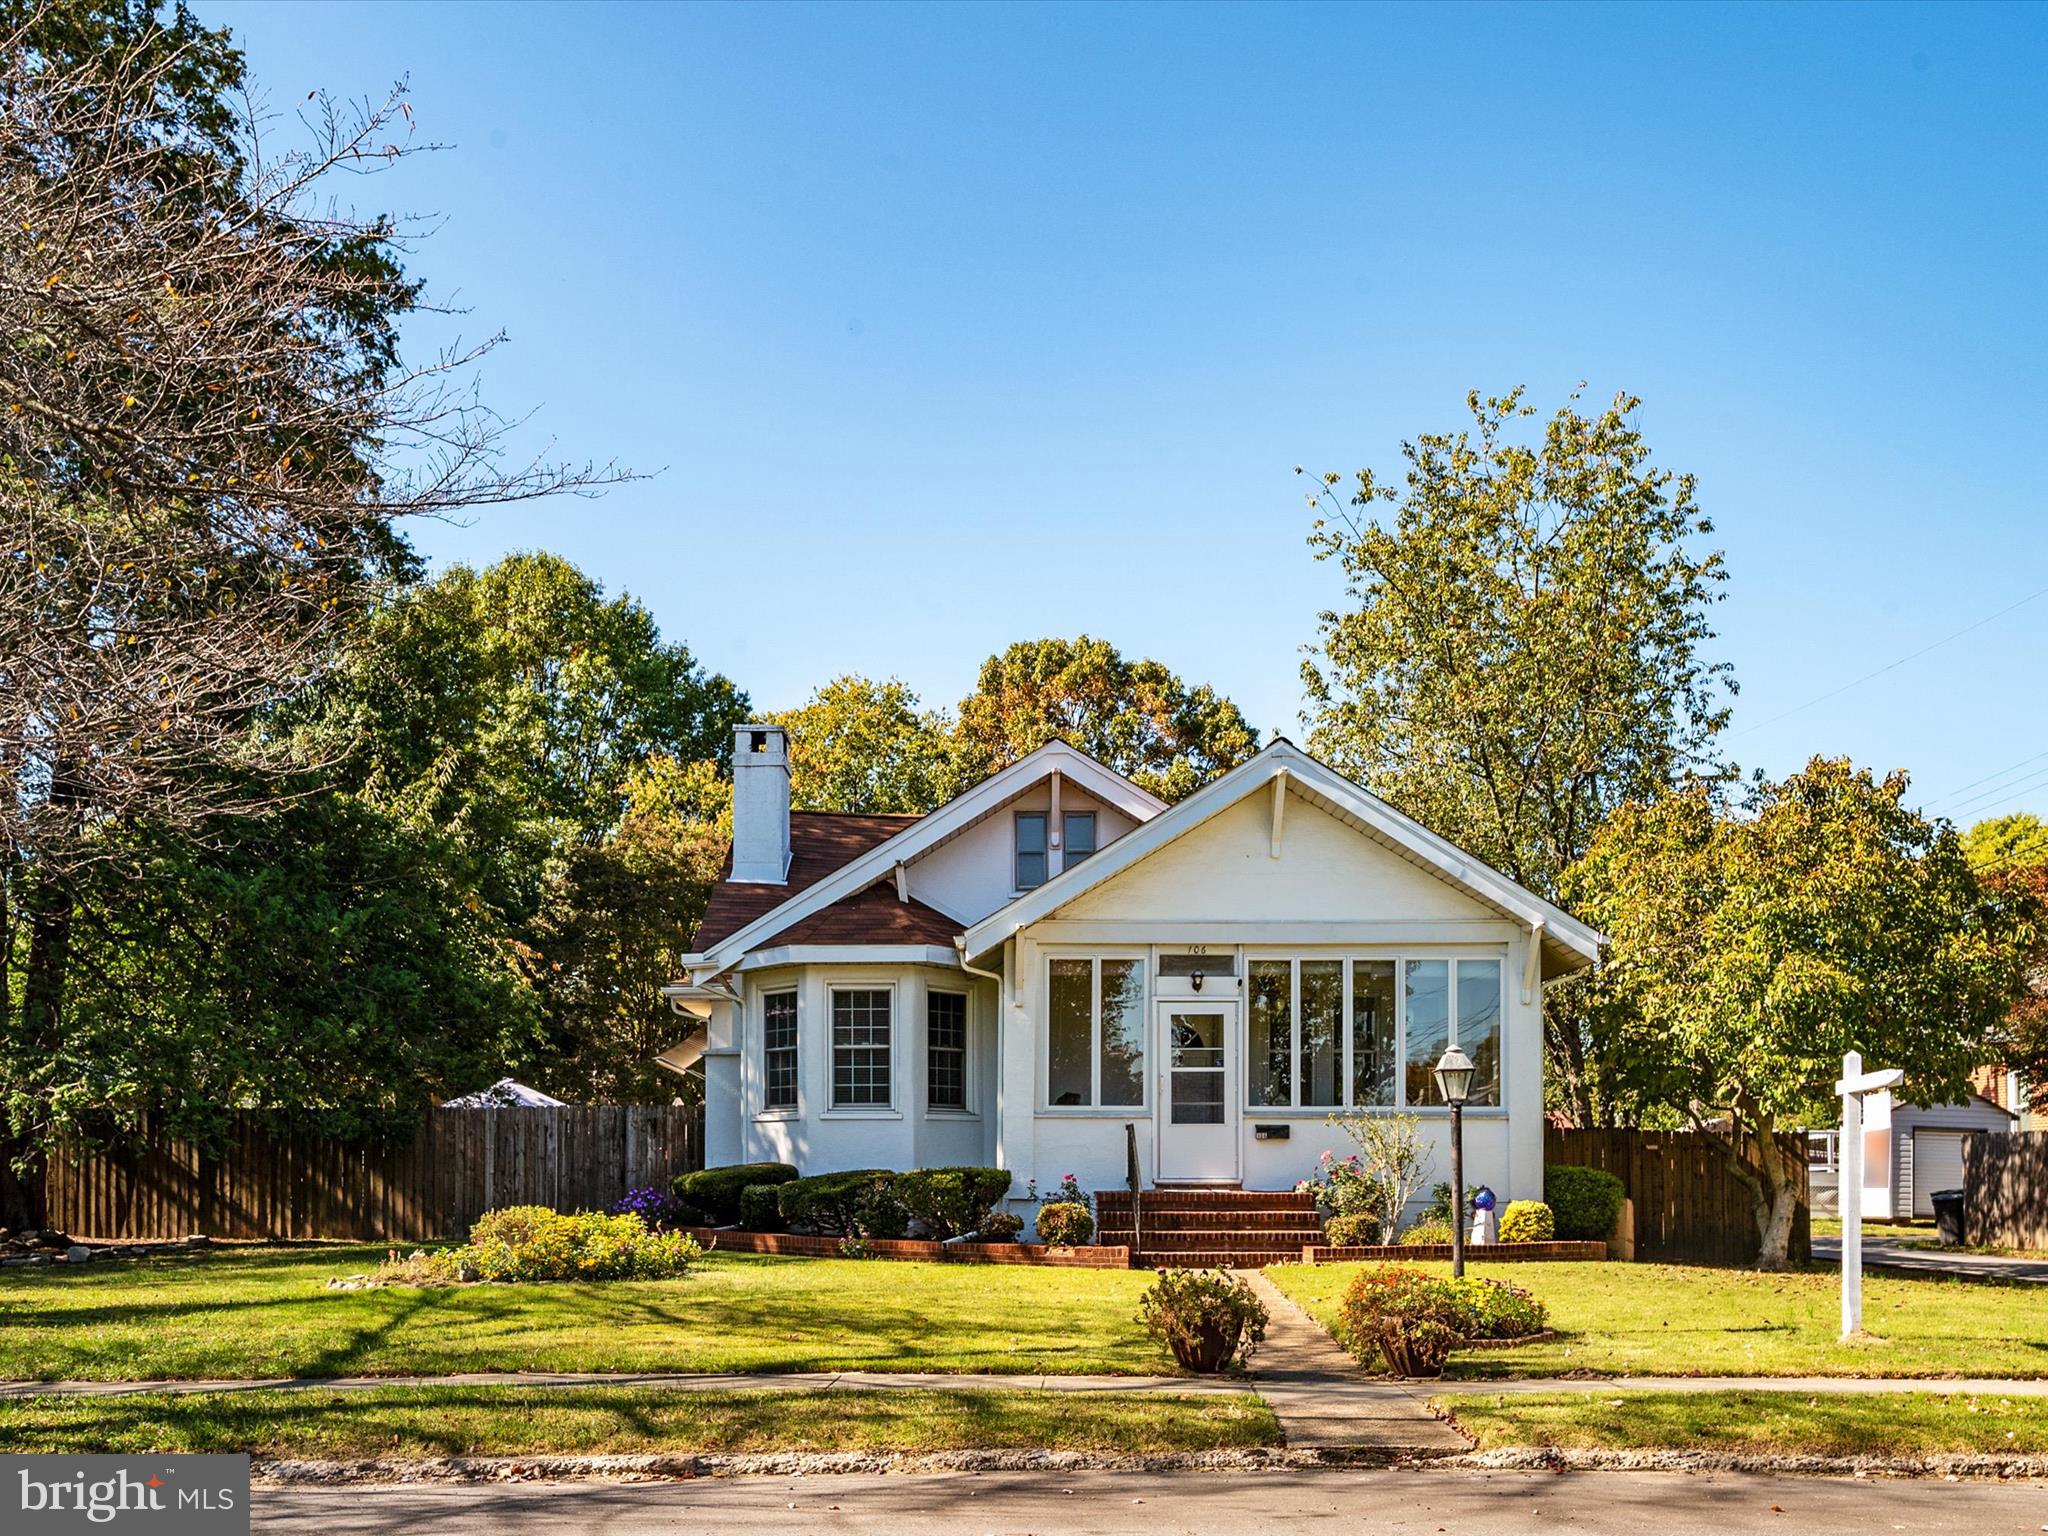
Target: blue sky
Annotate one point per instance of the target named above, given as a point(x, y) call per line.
point(949, 326)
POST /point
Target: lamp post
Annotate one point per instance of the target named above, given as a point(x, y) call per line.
point(1454, 1081)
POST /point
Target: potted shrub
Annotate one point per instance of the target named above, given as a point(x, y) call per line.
point(1207, 1318)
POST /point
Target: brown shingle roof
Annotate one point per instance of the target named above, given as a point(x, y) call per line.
point(872, 916)
point(819, 843)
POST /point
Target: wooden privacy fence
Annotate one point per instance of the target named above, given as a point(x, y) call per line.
point(2005, 1189)
point(267, 1182)
point(1690, 1208)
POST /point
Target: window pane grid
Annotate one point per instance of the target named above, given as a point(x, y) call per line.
point(946, 1050)
point(778, 1050)
point(860, 1048)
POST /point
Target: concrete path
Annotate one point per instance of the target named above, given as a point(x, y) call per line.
point(1881, 1251)
point(1321, 1398)
point(1370, 1503)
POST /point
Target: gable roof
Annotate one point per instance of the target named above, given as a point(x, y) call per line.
point(770, 910)
point(819, 843)
point(1571, 944)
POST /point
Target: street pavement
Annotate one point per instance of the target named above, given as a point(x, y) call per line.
point(1884, 1251)
point(1466, 1503)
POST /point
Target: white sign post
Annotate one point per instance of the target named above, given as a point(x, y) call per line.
point(1854, 1085)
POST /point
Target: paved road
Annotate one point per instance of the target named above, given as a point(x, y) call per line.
point(1186, 1504)
point(1884, 1252)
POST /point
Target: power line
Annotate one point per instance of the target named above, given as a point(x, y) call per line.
point(2001, 773)
point(1979, 806)
point(1892, 666)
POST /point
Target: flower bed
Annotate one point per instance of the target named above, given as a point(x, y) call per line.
point(923, 1250)
point(1475, 1253)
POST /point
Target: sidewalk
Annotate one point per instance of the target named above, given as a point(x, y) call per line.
point(1882, 1251)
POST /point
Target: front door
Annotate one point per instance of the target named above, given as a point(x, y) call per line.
point(1198, 1090)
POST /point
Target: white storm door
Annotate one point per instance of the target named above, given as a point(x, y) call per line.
point(1199, 1090)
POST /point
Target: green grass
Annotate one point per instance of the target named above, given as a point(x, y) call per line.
point(512, 1421)
point(266, 1312)
point(1758, 1423)
point(1664, 1320)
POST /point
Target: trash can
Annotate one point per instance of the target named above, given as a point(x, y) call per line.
point(1948, 1216)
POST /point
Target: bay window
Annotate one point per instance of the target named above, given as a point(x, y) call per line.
point(861, 1039)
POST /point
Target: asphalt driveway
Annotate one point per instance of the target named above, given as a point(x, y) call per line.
point(1882, 1250)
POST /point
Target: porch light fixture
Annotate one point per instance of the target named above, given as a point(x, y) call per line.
point(1195, 980)
point(1454, 1081)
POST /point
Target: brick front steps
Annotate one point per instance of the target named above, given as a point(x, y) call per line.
point(1097, 1256)
point(1210, 1228)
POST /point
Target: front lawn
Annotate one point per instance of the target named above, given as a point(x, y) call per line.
point(1667, 1320)
point(514, 1421)
point(267, 1312)
point(1757, 1423)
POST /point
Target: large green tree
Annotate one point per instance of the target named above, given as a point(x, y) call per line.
point(1751, 951)
point(1521, 649)
point(1137, 717)
point(2018, 841)
point(859, 745)
point(209, 436)
point(546, 730)
point(2010, 854)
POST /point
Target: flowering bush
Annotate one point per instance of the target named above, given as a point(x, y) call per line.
point(1343, 1187)
point(1206, 1317)
point(1527, 1221)
point(1494, 1309)
point(657, 1208)
point(1413, 1320)
point(525, 1243)
point(1067, 1192)
point(1064, 1223)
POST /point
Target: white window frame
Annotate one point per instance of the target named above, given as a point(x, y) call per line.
point(1451, 954)
point(779, 1111)
point(967, 1108)
point(1095, 1108)
point(834, 1110)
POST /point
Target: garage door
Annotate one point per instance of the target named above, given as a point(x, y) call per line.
point(1937, 1164)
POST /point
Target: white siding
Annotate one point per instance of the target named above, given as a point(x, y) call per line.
point(973, 874)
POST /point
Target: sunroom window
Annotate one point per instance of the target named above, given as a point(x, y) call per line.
point(1331, 1034)
point(1095, 1033)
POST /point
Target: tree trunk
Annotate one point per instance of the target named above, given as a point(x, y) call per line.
point(1776, 1199)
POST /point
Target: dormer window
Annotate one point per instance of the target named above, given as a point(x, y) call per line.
point(1031, 854)
point(1077, 837)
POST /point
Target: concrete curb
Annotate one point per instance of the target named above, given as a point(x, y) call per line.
point(684, 1466)
point(402, 1471)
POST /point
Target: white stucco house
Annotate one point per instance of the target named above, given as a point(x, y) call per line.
point(1056, 955)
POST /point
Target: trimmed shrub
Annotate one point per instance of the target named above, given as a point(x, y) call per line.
point(716, 1191)
point(760, 1210)
point(1207, 1318)
point(1065, 1223)
point(1527, 1221)
point(858, 1203)
point(951, 1202)
point(525, 1243)
point(1354, 1229)
point(1430, 1229)
point(1000, 1227)
point(1585, 1201)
